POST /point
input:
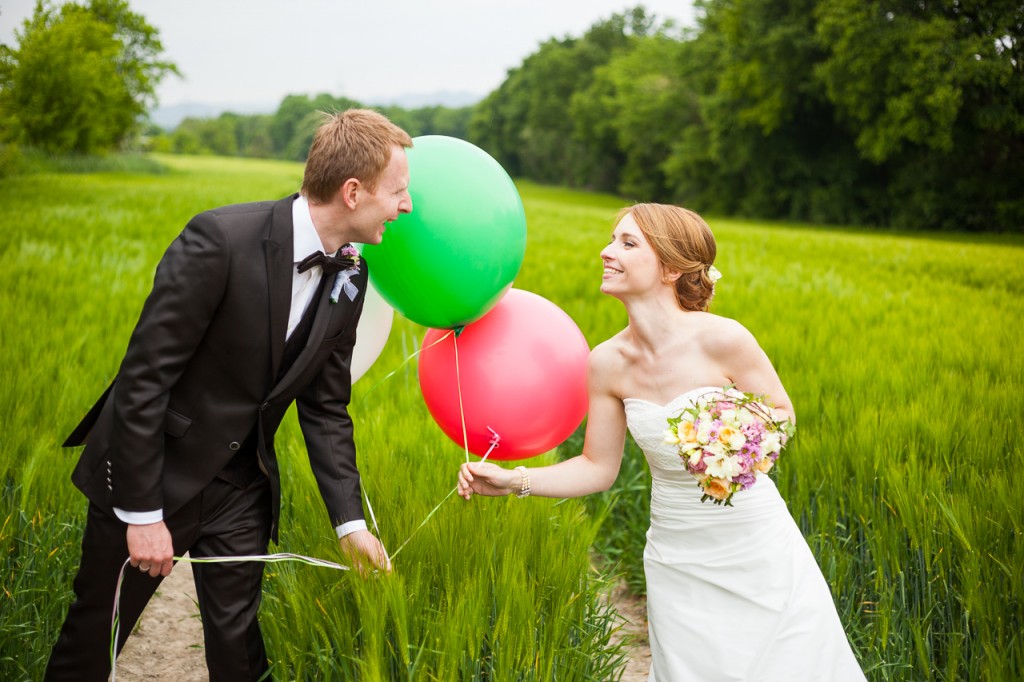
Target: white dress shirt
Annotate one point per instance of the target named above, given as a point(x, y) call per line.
point(306, 240)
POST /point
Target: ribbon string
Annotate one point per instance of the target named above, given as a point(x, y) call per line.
point(115, 620)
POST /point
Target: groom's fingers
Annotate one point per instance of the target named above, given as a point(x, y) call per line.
point(365, 552)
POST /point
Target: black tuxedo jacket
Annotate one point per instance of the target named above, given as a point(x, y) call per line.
point(201, 369)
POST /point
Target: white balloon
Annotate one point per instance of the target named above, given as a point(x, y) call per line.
point(371, 333)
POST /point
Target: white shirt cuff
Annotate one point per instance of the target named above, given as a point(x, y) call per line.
point(140, 518)
point(350, 527)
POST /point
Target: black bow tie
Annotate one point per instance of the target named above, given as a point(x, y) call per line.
point(330, 264)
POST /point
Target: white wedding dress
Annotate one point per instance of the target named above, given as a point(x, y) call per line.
point(733, 593)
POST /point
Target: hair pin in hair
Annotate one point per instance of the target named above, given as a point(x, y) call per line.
point(713, 274)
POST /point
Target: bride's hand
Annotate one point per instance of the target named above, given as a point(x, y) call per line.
point(484, 478)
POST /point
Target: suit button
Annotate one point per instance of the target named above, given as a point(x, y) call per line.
point(234, 445)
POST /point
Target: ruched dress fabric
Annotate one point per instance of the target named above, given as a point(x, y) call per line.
point(733, 593)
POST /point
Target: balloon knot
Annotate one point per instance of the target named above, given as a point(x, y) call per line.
point(458, 330)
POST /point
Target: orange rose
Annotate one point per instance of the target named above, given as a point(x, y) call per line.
point(717, 488)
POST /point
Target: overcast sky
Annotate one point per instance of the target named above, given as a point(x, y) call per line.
point(257, 51)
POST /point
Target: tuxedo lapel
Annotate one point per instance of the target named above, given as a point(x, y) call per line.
point(279, 251)
point(325, 312)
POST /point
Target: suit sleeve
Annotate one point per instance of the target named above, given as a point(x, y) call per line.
point(187, 288)
point(328, 432)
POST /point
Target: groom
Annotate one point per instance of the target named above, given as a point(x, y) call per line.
point(250, 310)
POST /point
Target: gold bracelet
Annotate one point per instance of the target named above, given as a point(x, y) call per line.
point(524, 489)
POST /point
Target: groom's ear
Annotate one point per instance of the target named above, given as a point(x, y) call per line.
point(348, 193)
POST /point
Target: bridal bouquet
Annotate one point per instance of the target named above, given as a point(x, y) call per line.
point(726, 438)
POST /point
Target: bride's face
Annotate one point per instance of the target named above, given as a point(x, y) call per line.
point(630, 264)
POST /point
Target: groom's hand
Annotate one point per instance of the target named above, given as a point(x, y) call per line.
point(150, 549)
point(363, 550)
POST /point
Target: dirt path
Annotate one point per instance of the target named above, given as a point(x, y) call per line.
point(167, 645)
point(633, 610)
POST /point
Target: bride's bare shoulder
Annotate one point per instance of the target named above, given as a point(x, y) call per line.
point(610, 354)
point(608, 360)
point(724, 336)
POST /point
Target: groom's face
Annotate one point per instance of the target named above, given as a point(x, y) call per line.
point(386, 202)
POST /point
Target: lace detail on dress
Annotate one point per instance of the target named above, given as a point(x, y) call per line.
point(647, 423)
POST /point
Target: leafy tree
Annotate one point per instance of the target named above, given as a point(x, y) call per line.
point(81, 77)
point(297, 118)
point(253, 133)
point(431, 120)
point(934, 94)
point(771, 131)
point(634, 110)
point(526, 123)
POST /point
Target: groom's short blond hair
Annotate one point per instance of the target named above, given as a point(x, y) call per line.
point(355, 143)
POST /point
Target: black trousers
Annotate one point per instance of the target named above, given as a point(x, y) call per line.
point(223, 520)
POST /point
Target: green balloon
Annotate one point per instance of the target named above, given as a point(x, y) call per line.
point(452, 258)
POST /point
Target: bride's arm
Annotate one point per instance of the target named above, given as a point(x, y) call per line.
point(592, 471)
point(748, 367)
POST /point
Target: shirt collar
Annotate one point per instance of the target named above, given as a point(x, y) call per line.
point(305, 238)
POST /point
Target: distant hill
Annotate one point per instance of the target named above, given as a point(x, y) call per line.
point(445, 98)
point(168, 117)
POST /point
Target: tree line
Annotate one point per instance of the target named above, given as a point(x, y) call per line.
point(899, 113)
point(288, 132)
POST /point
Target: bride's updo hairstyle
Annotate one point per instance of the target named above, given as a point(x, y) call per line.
point(683, 243)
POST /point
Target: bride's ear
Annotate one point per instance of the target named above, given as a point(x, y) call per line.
point(670, 276)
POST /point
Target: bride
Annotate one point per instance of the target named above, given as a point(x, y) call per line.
point(733, 593)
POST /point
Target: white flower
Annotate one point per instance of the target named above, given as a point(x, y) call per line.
point(771, 442)
point(713, 274)
point(737, 440)
point(722, 466)
point(704, 433)
point(715, 448)
point(671, 437)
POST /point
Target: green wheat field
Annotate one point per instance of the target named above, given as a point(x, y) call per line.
point(902, 354)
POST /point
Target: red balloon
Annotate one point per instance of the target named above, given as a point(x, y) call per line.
point(523, 370)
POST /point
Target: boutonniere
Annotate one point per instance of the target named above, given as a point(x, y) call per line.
point(350, 252)
point(343, 280)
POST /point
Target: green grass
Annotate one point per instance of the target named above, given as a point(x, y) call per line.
point(900, 352)
point(496, 590)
